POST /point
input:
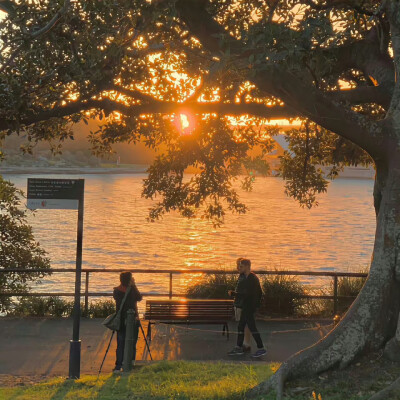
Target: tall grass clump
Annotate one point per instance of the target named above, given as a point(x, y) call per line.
point(212, 286)
point(99, 309)
point(349, 287)
point(58, 307)
point(282, 296)
point(42, 307)
point(281, 293)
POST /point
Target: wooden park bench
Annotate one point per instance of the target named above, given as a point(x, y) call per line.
point(189, 312)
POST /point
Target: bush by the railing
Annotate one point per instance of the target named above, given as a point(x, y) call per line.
point(58, 307)
point(213, 286)
point(99, 309)
point(41, 307)
point(349, 287)
point(281, 292)
point(18, 247)
point(282, 295)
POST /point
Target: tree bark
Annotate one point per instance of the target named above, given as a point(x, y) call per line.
point(385, 393)
point(372, 320)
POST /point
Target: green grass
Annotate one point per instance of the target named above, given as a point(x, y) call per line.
point(164, 380)
point(179, 380)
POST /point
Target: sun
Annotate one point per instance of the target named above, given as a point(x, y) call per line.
point(184, 122)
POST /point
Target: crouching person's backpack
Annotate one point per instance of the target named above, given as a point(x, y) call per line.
point(113, 321)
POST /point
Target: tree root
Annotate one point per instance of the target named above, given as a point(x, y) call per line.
point(336, 349)
point(368, 324)
point(386, 393)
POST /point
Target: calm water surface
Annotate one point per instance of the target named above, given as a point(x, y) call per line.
point(275, 233)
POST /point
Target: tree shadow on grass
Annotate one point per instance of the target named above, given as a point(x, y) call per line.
point(104, 388)
point(62, 391)
point(118, 386)
point(90, 389)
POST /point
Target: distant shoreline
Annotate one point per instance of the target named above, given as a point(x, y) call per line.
point(347, 173)
point(137, 169)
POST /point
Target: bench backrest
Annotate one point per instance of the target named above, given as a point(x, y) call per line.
point(189, 310)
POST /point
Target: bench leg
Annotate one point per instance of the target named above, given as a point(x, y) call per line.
point(148, 335)
point(225, 329)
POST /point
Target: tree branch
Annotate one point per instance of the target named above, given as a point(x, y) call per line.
point(317, 106)
point(7, 6)
point(277, 81)
point(39, 32)
point(154, 107)
point(329, 4)
point(362, 95)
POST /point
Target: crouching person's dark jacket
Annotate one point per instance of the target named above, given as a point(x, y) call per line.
point(130, 302)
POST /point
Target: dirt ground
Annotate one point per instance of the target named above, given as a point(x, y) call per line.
point(363, 378)
point(34, 348)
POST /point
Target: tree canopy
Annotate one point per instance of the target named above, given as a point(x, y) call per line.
point(137, 65)
point(229, 67)
point(18, 249)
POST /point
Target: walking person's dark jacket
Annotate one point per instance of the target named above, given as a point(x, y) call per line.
point(240, 291)
point(248, 292)
point(130, 303)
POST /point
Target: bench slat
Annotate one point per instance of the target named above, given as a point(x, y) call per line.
point(189, 310)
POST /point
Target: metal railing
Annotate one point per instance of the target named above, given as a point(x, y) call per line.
point(171, 272)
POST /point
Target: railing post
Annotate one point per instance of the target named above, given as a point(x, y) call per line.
point(170, 285)
point(335, 295)
point(87, 294)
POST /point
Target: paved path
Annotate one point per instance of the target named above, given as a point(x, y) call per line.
point(40, 346)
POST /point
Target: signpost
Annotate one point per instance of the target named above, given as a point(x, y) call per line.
point(66, 194)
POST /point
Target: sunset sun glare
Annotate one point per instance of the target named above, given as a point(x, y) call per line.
point(184, 123)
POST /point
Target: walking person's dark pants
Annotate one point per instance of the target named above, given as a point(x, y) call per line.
point(247, 318)
point(121, 334)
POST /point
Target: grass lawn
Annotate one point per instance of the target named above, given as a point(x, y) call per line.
point(164, 380)
point(196, 380)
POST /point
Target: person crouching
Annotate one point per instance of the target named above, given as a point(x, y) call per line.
point(127, 283)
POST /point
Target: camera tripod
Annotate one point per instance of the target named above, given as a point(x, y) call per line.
point(109, 344)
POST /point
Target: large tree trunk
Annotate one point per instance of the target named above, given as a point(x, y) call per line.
point(372, 319)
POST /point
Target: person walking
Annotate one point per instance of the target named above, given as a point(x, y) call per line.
point(127, 283)
point(247, 298)
point(238, 306)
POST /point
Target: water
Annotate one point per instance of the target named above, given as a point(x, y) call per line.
point(275, 233)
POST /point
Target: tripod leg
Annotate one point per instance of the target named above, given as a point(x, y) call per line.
point(145, 339)
point(105, 355)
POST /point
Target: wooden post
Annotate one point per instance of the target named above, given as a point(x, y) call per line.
point(170, 285)
point(87, 294)
point(335, 295)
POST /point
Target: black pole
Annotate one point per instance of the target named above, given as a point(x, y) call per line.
point(75, 343)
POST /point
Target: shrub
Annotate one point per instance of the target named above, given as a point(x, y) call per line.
point(18, 248)
point(348, 287)
point(282, 295)
point(42, 307)
point(100, 309)
point(213, 286)
point(58, 307)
